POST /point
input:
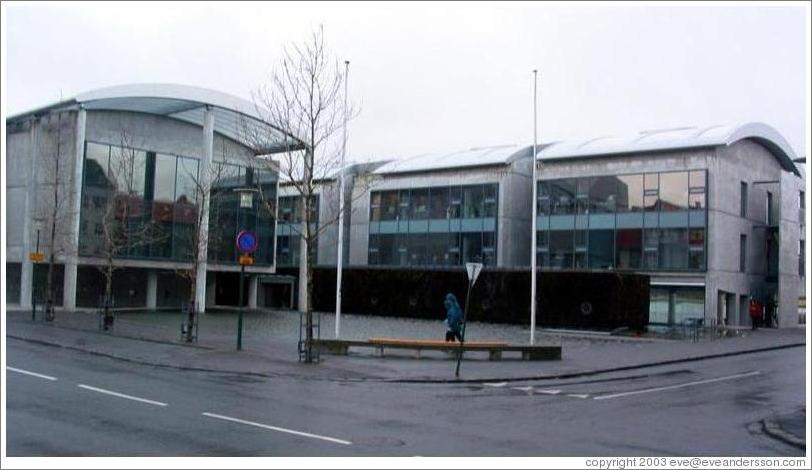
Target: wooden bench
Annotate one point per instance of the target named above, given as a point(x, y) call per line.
point(494, 348)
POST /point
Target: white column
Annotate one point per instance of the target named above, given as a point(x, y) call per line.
point(253, 281)
point(205, 172)
point(152, 289)
point(29, 231)
point(72, 256)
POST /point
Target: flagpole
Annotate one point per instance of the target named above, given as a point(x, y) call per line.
point(534, 204)
point(340, 254)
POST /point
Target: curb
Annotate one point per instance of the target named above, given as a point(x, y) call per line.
point(571, 375)
point(774, 430)
point(136, 338)
point(137, 361)
point(568, 375)
point(186, 368)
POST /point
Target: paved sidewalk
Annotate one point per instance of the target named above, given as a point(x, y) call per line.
point(270, 339)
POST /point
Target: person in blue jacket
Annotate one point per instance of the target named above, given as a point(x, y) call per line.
point(453, 318)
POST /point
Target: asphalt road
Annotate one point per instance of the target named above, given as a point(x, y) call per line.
point(84, 405)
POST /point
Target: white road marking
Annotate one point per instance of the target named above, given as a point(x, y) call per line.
point(672, 387)
point(33, 374)
point(578, 395)
point(275, 428)
point(121, 395)
point(523, 389)
point(549, 392)
point(491, 384)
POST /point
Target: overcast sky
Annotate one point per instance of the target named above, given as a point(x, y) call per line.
point(448, 77)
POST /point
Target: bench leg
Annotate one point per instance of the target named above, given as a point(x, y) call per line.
point(494, 355)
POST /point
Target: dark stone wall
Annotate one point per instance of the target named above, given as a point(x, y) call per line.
point(565, 299)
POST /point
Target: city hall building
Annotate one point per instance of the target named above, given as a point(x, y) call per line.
point(146, 148)
point(713, 216)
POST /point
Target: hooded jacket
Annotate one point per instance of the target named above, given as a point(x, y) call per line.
point(453, 313)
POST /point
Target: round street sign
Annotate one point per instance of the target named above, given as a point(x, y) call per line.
point(246, 242)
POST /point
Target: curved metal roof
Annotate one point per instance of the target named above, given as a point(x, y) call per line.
point(480, 156)
point(234, 117)
point(674, 139)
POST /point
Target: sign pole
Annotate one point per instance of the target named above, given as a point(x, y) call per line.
point(33, 300)
point(462, 336)
point(239, 320)
point(246, 244)
point(473, 270)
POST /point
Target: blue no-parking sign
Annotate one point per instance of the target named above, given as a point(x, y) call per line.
point(246, 242)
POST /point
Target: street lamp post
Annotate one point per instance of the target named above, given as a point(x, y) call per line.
point(533, 215)
point(340, 253)
point(246, 244)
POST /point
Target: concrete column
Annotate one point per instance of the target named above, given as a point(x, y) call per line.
point(253, 281)
point(211, 289)
point(152, 289)
point(72, 258)
point(205, 174)
point(27, 268)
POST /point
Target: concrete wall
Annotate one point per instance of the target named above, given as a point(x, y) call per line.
point(790, 283)
point(17, 176)
point(749, 162)
point(49, 151)
point(515, 209)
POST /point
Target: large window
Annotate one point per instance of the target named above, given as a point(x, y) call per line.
point(562, 196)
point(437, 226)
point(604, 192)
point(646, 221)
point(673, 191)
point(743, 253)
point(628, 248)
point(743, 199)
point(601, 248)
point(151, 201)
point(670, 305)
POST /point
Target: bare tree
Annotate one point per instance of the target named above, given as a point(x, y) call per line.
point(205, 187)
point(54, 210)
point(127, 221)
point(303, 98)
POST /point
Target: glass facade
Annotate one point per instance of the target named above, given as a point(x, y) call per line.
point(161, 193)
point(288, 240)
point(672, 305)
point(647, 221)
point(437, 226)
